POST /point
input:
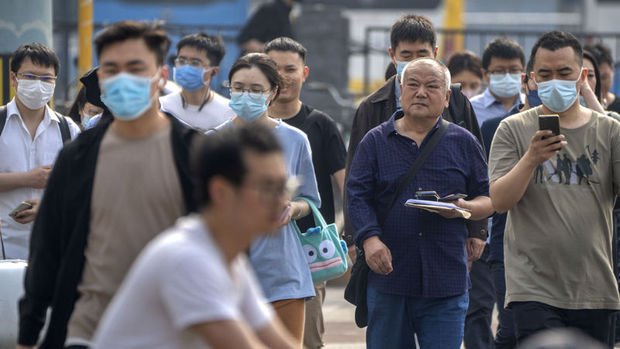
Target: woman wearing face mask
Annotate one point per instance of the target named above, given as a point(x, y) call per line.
point(466, 69)
point(83, 113)
point(590, 95)
point(279, 260)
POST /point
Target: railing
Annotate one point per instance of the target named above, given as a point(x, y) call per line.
point(377, 40)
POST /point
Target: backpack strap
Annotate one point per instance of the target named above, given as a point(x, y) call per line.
point(3, 117)
point(65, 133)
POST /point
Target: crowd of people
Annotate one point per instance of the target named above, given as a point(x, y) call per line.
point(171, 221)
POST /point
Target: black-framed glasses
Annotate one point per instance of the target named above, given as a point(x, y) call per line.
point(44, 78)
point(504, 71)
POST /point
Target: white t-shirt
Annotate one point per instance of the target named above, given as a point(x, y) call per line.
point(212, 114)
point(19, 152)
point(180, 279)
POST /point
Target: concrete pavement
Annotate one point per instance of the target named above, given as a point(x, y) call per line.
point(340, 329)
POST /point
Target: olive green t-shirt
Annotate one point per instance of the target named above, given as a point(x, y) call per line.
point(558, 237)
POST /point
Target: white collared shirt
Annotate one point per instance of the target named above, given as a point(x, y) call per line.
point(20, 153)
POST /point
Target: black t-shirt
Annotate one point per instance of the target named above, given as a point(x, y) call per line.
point(615, 105)
point(328, 156)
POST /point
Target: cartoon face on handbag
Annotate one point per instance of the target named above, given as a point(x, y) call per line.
point(324, 257)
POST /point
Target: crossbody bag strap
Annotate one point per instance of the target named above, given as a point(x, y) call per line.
point(426, 151)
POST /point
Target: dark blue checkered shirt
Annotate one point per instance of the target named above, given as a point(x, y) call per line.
point(428, 251)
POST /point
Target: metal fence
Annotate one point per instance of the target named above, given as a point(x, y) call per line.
point(377, 40)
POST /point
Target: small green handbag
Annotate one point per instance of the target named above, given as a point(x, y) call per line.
point(325, 252)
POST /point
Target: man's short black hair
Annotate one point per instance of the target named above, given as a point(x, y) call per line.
point(503, 48)
point(211, 44)
point(286, 44)
point(413, 28)
point(602, 53)
point(153, 35)
point(38, 54)
point(555, 40)
point(222, 153)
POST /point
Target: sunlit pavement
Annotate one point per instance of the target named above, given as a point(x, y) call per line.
point(339, 315)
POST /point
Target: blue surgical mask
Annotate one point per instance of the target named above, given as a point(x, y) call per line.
point(400, 66)
point(557, 95)
point(532, 99)
point(127, 96)
point(190, 78)
point(89, 121)
point(248, 108)
point(505, 85)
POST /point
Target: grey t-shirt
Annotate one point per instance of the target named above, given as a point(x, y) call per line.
point(558, 237)
point(136, 195)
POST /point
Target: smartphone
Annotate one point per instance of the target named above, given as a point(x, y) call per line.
point(549, 122)
point(429, 195)
point(22, 206)
point(453, 197)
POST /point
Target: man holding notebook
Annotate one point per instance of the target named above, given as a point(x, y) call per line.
point(418, 281)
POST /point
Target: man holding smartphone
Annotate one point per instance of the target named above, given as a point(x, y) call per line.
point(29, 142)
point(560, 191)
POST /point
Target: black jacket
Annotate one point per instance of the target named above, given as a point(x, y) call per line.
point(60, 233)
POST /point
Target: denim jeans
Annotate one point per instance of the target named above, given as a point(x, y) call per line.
point(394, 320)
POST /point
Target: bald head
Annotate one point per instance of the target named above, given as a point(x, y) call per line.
point(430, 64)
point(425, 89)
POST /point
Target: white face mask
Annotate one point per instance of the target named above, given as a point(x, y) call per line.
point(34, 94)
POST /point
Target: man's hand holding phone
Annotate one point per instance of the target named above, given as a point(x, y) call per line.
point(25, 212)
point(547, 141)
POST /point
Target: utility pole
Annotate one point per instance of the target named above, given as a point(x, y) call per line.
point(85, 35)
point(454, 23)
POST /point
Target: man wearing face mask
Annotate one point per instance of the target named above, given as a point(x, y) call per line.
point(197, 62)
point(505, 336)
point(111, 191)
point(31, 135)
point(558, 236)
point(502, 64)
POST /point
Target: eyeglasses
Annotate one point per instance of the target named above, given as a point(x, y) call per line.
point(45, 78)
point(272, 191)
point(194, 62)
point(504, 72)
point(255, 94)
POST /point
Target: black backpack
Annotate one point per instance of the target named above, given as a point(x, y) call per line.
point(65, 134)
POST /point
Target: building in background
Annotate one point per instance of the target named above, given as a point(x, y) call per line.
point(347, 39)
